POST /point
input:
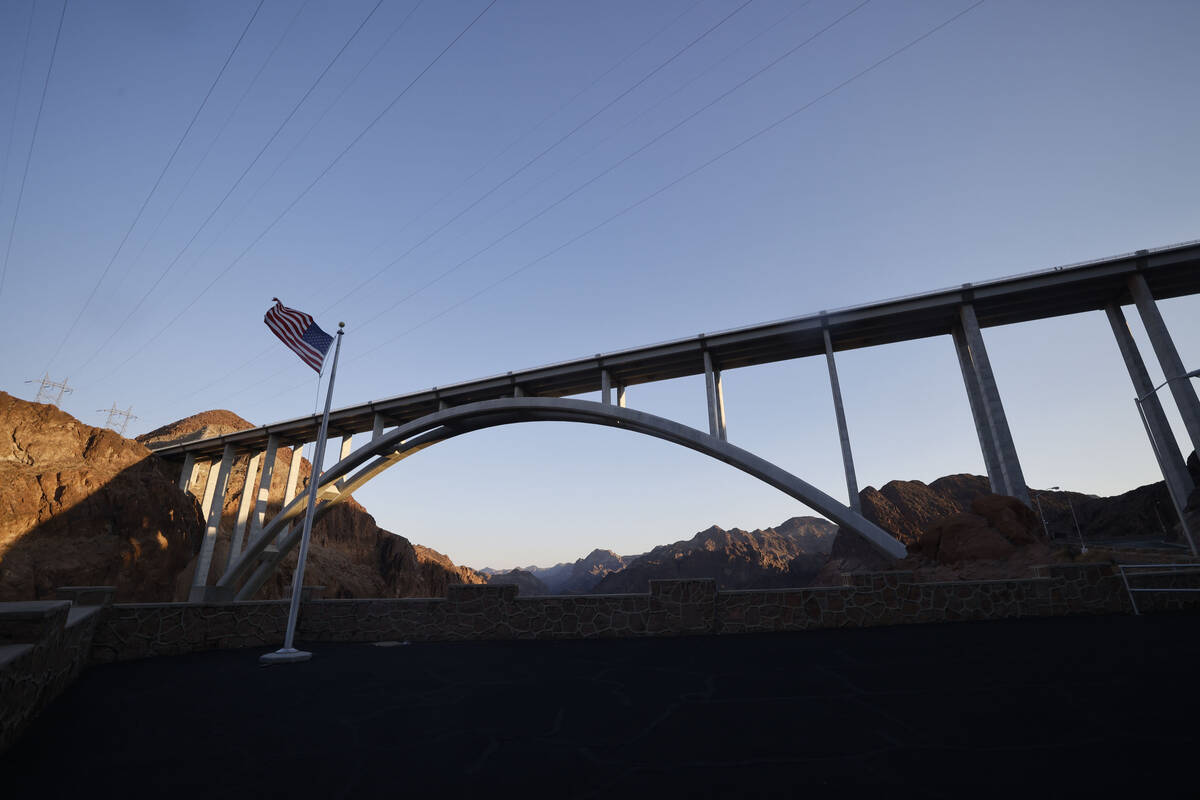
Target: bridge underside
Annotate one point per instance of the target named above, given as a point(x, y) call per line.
point(251, 569)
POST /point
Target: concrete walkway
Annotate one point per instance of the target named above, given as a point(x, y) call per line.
point(974, 709)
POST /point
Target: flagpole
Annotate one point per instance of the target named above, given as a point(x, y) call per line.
point(288, 653)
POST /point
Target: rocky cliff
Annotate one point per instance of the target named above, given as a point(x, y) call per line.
point(527, 583)
point(83, 505)
point(349, 554)
point(956, 529)
point(790, 554)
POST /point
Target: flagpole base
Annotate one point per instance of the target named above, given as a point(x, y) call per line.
point(284, 655)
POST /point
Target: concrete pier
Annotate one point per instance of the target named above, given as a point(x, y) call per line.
point(983, 429)
point(1168, 357)
point(1005, 452)
point(243, 516)
point(264, 488)
point(716, 399)
point(843, 431)
point(214, 499)
point(1163, 442)
point(189, 469)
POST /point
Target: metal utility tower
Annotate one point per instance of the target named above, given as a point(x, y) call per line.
point(46, 389)
point(113, 414)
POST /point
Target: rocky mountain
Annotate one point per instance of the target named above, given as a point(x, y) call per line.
point(956, 529)
point(574, 577)
point(788, 555)
point(84, 506)
point(527, 583)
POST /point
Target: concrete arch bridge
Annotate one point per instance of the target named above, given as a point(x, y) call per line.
point(402, 425)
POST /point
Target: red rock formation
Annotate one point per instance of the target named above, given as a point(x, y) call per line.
point(789, 555)
point(83, 506)
point(349, 554)
point(526, 582)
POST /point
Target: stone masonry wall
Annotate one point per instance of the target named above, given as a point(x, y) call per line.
point(672, 608)
point(45, 645)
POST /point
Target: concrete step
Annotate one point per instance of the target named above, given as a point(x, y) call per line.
point(32, 621)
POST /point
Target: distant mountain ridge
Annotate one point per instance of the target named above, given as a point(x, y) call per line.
point(789, 553)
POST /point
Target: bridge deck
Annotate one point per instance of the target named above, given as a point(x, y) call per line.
point(1170, 272)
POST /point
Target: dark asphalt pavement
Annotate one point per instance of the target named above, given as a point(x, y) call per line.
point(1063, 707)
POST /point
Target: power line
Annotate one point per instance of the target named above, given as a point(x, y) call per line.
point(37, 121)
point(157, 181)
point(657, 104)
point(470, 177)
point(547, 150)
point(502, 152)
point(596, 177)
point(754, 75)
point(46, 393)
point(12, 128)
point(313, 183)
point(233, 188)
point(676, 181)
point(115, 414)
point(211, 145)
point(265, 183)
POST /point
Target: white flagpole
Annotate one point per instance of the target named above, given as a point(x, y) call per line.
point(288, 653)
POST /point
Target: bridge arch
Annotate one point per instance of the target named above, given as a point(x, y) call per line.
point(247, 573)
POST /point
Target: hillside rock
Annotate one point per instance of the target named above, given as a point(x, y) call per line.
point(790, 555)
point(993, 530)
point(526, 582)
point(349, 554)
point(585, 573)
point(84, 506)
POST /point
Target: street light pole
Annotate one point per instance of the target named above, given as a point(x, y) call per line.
point(1045, 528)
point(1176, 501)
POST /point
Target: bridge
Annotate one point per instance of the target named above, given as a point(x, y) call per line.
point(405, 424)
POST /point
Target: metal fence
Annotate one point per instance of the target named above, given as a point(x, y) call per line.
point(1135, 570)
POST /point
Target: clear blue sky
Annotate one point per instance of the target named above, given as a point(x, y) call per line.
point(1023, 135)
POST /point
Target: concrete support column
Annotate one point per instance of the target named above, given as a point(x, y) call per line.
point(1168, 358)
point(716, 399)
point(843, 431)
point(983, 429)
point(620, 395)
point(442, 405)
point(1006, 450)
point(720, 394)
point(189, 468)
point(244, 505)
point(293, 480)
point(378, 424)
point(605, 388)
point(347, 446)
point(214, 500)
point(264, 487)
point(1166, 449)
point(518, 391)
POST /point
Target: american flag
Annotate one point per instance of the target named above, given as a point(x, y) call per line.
point(298, 331)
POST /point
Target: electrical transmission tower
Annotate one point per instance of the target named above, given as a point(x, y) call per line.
point(46, 390)
point(114, 414)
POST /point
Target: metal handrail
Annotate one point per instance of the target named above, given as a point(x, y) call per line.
point(1155, 569)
